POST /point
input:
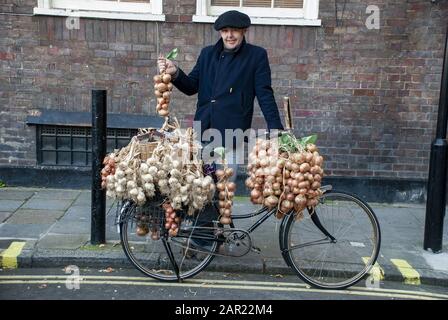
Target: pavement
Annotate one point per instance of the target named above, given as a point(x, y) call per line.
point(43, 228)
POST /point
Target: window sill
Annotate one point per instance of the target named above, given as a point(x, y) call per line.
point(99, 14)
point(84, 119)
point(267, 21)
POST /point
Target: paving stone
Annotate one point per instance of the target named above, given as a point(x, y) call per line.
point(15, 194)
point(25, 216)
point(63, 241)
point(68, 227)
point(78, 213)
point(10, 205)
point(57, 194)
point(23, 231)
point(4, 216)
point(47, 204)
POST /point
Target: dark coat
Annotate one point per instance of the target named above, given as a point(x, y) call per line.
point(227, 84)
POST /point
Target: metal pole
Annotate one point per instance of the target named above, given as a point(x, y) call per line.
point(99, 130)
point(436, 200)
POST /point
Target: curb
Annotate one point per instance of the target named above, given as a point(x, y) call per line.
point(259, 265)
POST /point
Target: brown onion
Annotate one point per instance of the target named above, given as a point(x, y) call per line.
point(157, 78)
point(220, 186)
point(304, 167)
point(229, 172)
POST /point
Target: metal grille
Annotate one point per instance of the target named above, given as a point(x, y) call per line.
point(72, 146)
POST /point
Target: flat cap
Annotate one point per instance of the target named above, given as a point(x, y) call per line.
point(232, 19)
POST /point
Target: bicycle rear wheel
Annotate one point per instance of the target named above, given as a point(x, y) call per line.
point(339, 253)
point(166, 258)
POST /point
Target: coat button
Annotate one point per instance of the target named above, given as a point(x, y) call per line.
point(213, 101)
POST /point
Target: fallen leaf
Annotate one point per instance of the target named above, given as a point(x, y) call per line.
point(102, 245)
point(278, 276)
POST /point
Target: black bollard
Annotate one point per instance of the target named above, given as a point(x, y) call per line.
point(436, 200)
point(99, 136)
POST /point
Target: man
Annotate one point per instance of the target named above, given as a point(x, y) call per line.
point(227, 77)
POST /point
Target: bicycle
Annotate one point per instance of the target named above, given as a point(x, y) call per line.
point(318, 244)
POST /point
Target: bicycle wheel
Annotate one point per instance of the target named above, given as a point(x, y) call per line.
point(339, 253)
point(166, 258)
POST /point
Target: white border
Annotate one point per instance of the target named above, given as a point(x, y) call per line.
point(97, 9)
point(308, 16)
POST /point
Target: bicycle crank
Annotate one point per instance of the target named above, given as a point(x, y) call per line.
point(237, 243)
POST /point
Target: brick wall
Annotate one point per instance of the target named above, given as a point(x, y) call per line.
point(370, 95)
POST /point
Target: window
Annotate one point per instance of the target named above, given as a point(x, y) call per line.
point(72, 146)
point(149, 10)
point(279, 12)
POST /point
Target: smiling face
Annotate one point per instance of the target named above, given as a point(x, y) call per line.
point(232, 37)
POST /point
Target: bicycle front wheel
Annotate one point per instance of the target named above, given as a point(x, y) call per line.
point(162, 257)
point(334, 246)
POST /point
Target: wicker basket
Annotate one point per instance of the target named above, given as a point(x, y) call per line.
point(146, 149)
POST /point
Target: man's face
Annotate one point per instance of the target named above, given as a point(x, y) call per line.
point(232, 37)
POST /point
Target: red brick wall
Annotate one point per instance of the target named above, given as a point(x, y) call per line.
point(370, 95)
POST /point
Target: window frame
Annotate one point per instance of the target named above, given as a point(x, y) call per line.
point(96, 9)
point(308, 16)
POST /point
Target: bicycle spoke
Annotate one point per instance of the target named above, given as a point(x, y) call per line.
point(327, 264)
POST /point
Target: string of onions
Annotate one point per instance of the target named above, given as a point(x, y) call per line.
point(290, 182)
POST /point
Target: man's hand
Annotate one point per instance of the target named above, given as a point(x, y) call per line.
point(166, 65)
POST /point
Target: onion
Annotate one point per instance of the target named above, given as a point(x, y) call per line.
point(304, 167)
point(268, 192)
point(300, 200)
point(315, 185)
point(311, 147)
point(231, 186)
point(308, 157)
point(304, 185)
point(225, 220)
point(287, 204)
point(317, 178)
point(290, 197)
point(281, 163)
point(264, 162)
point(220, 186)
point(255, 194)
point(229, 172)
point(271, 201)
point(295, 167)
point(276, 186)
point(220, 173)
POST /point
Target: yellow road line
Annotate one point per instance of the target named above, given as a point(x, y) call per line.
point(208, 282)
point(376, 271)
point(217, 286)
point(8, 258)
point(410, 275)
